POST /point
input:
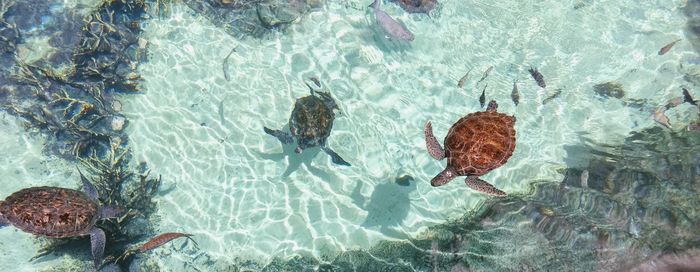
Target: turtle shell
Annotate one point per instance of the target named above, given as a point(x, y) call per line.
point(480, 142)
point(50, 211)
point(311, 120)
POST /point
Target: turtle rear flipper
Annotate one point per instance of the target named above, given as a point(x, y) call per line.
point(481, 185)
point(334, 156)
point(97, 244)
point(284, 137)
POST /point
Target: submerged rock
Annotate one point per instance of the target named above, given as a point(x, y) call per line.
point(417, 6)
point(609, 89)
point(252, 18)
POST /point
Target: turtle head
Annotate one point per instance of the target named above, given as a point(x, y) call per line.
point(492, 106)
point(328, 100)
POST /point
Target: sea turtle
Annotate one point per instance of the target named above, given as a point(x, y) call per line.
point(59, 213)
point(311, 123)
point(475, 145)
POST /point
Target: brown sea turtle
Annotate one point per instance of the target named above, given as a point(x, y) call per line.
point(475, 145)
point(58, 213)
point(311, 123)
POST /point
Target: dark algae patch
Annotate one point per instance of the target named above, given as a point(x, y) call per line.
point(70, 97)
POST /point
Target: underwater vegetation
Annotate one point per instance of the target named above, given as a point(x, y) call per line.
point(70, 95)
point(253, 18)
point(76, 103)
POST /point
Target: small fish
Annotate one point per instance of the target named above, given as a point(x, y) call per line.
point(673, 102)
point(486, 74)
point(555, 95)
point(688, 98)
point(482, 98)
point(464, 78)
point(667, 47)
point(584, 179)
point(537, 76)
point(225, 64)
point(515, 94)
point(661, 118)
point(163, 239)
point(315, 81)
point(389, 25)
point(221, 110)
point(404, 180)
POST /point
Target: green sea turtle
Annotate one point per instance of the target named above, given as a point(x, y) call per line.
point(59, 213)
point(311, 123)
point(474, 145)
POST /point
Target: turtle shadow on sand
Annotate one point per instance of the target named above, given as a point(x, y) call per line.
point(295, 160)
point(388, 206)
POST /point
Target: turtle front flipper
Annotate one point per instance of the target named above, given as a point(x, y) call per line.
point(481, 185)
point(434, 148)
point(97, 244)
point(88, 188)
point(443, 178)
point(284, 137)
point(334, 156)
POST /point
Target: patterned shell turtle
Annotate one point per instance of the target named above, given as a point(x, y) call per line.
point(474, 145)
point(59, 213)
point(311, 123)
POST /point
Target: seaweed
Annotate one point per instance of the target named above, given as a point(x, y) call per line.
point(74, 105)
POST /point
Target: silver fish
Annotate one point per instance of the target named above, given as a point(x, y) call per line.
point(482, 98)
point(389, 25)
point(515, 94)
point(464, 78)
point(667, 47)
point(225, 64)
point(584, 179)
point(221, 110)
point(555, 95)
point(486, 74)
point(537, 76)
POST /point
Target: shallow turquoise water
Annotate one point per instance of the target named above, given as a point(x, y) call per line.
point(245, 196)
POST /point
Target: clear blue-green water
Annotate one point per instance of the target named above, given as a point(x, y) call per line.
point(246, 197)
